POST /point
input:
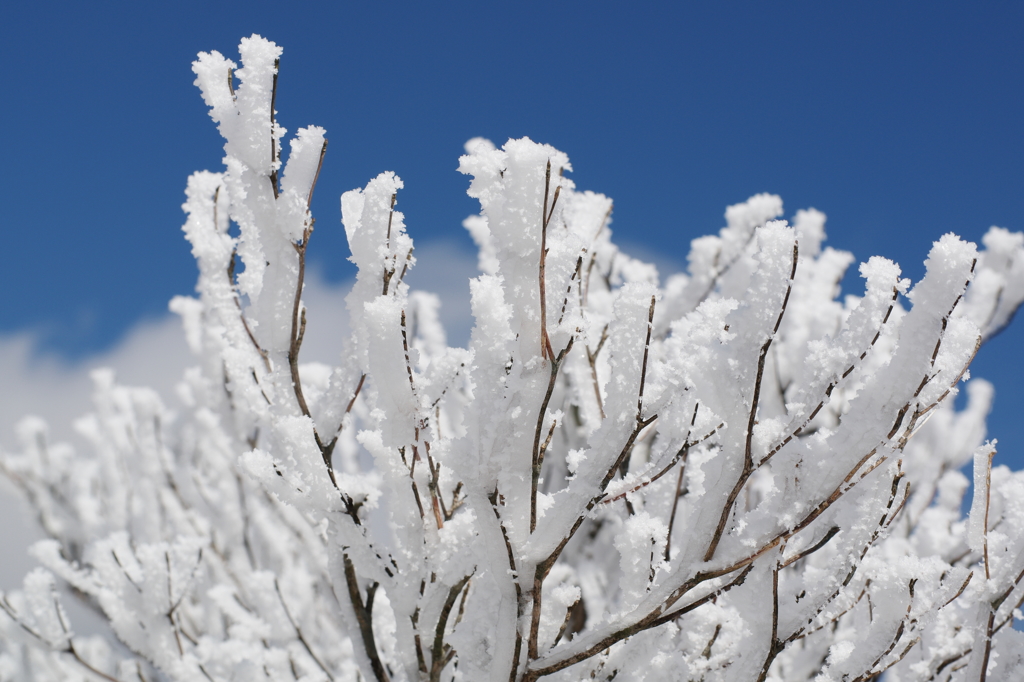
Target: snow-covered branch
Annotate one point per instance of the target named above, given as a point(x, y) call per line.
point(730, 475)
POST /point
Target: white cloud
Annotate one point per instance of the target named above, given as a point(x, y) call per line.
point(154, 354)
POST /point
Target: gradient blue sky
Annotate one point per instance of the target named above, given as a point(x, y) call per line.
point(901, 121)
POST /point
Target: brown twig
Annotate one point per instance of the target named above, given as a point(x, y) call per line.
point(832, 532)
point(748, 461)
point(569, 612)
point(388, 274)
point(417, 639)
point(546, 351)
point(655, 618)
point(431, 486)
point(988, 568)
point(364, 619)
point(238, 302)
point(546, 443)
point(545, 566)
point(640, 426)
point(537, 459)
point(316, 176)
point(514, 572)
point(298, 633)
point(456, 500)
point(405, 349)
point(329, 449)
point(568, 290)
point(643, 366)
point(298, 331)
point(592, 359)
point(435, 482)
point(911, 428)
point(438, 657)
point(832, 385)
point(873, 669)
point(721, 271)
point(675, 505)
point(774, 646)
point(883, 523)
point(412, 479)
point(405, 266)
point(647, 479)
point(273, 140)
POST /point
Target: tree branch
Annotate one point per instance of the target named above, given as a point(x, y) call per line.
point(545, 343)
point(748, 461)
point(537, 458)
point(364, 620)
point(438, 658)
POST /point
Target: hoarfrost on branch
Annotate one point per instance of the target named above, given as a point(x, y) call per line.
point(731, 475)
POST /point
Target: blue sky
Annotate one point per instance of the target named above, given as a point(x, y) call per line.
point(901, 121)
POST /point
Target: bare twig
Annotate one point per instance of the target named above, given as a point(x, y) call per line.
point(656, 618)
point(721, 271)
point(431, 486)
point(438, 657)
point(412, 479)
point(775, 646)
point(648, 479)
point(569, 612)
point(297, 332)
point(273, 139)
point(963, 587)
point(388, 274)
point(421, 660)
point(832, 532)
point(748, 461)
point(883, 522)
point(329, 450)
point(537, 459)
point(405, 266)
point(545, 566)
point(405, 349)
point(832, 385)
point(651, 621)
point(514, 572)
point(298, 633)
point(568, 289)
point(675, 505)
point(592, 359)
point(316, 176)
point(546, 351)
point(364, 619)
point(6, 607)
point(874, 670)
point(990, 623)
point(643, 366)
point(85, 664)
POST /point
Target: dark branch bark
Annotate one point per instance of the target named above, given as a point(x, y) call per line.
point(438, 657)
point(537, 458)
point(364, 620)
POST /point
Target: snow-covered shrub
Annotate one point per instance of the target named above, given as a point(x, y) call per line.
point(729, 476)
